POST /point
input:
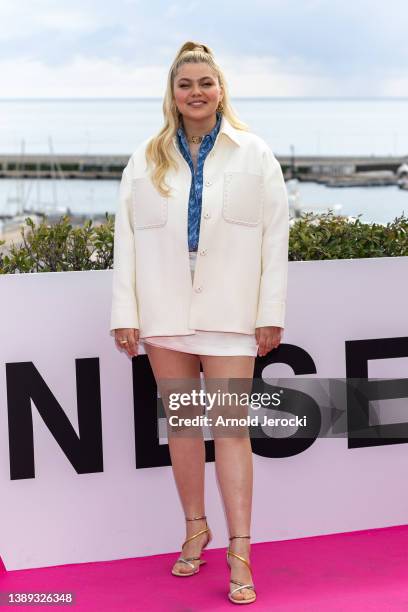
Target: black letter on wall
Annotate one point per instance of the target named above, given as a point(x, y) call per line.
point(149, 453)
point(294, 402)
point(25, 383)
point(360, 391)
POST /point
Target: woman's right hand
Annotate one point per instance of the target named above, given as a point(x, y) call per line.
point(131, 335)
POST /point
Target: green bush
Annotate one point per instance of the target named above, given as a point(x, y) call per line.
point(62, 247)
point(329, 236)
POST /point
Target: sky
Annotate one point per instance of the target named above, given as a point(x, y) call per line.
point(280, 48)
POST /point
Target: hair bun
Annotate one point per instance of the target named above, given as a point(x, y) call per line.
point(190, 45)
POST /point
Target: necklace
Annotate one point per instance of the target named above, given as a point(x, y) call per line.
point(195, 139)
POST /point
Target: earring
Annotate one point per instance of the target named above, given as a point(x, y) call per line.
point(220, 106)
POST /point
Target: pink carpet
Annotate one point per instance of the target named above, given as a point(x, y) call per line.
point(358, 571)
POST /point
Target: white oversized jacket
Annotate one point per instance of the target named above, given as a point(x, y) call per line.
point(240, 277)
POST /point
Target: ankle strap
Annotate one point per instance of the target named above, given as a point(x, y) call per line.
point(196, 518)
point(245, 536)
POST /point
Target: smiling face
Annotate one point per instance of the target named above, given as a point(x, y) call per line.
point(197, 91)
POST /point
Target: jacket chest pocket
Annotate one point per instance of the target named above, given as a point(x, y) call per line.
point(243, 197)
point(149, 208)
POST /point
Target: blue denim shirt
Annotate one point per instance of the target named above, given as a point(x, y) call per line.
point(196, 189)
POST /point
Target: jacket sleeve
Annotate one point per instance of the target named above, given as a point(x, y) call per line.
point(124, 303)
point(275, 245)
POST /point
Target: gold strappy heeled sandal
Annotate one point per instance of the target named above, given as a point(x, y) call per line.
point(189, 560)
point(240, 585)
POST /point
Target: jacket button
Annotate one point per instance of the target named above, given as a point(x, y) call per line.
point(203, 252)
point(207, 214)
point(208, 183)
point(198, 289)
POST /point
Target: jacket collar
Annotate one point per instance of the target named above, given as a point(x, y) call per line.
point(229, 130)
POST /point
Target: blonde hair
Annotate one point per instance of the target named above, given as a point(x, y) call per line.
point(159, 150)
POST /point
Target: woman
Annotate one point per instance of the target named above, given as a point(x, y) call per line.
point(200, 275)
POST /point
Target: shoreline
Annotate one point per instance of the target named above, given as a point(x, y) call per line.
point(334, 170)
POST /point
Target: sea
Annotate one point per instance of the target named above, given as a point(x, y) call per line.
point(291, 126)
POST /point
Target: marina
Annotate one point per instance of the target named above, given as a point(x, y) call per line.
point(86, 187)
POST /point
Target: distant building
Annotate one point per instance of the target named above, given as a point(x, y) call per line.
point(333, 169)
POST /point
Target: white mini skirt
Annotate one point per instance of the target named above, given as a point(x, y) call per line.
point(207, 342)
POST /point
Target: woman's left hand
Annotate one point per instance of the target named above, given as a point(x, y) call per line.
point(267, 338)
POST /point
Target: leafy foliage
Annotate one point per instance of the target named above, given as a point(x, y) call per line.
point(329, 236)
point(62, 247)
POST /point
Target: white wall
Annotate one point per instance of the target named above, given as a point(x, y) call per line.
point(50, 320)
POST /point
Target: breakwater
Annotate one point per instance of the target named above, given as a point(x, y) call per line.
point(332, 170)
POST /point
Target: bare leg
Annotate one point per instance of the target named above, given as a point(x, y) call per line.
point(187, 453)
point(234, 469)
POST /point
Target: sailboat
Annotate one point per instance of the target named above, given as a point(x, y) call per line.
point(19, 207)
